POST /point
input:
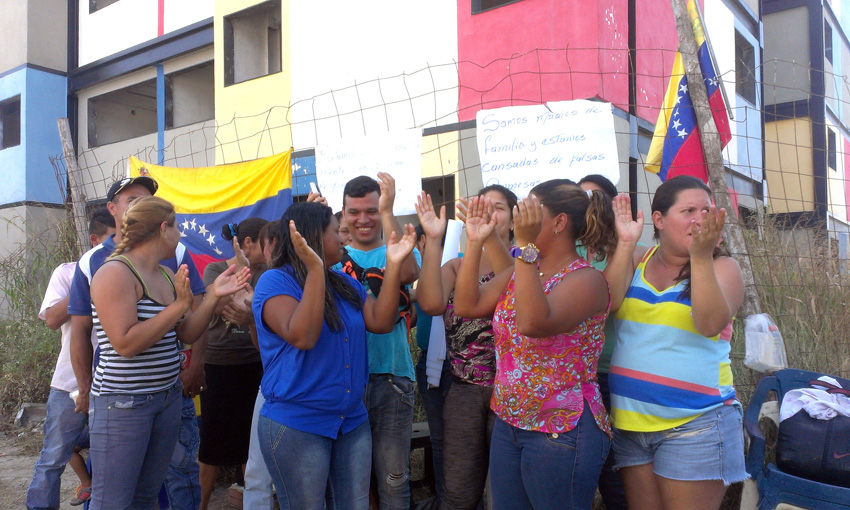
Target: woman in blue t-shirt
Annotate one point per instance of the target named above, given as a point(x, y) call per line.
point(311, 326)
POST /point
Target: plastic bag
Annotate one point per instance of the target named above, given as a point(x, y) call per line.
point(765, 348)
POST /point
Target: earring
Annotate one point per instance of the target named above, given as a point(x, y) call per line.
point(557, 232)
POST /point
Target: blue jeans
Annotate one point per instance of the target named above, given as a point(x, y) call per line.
point(313, 472)
point(132, 440)
point(258, 494)
point(181, 479)
point(540, 471)
point(62, 429)
point(432, 401)
point(389, 400)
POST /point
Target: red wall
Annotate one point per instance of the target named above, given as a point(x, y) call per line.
point(847, 175)
point(535, 51)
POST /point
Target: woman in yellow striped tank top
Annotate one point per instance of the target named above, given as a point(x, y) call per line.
point(678, 438)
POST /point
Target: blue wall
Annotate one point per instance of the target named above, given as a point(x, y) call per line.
point(25, 171)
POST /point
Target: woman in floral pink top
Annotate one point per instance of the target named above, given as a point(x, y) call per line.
point(552, 434)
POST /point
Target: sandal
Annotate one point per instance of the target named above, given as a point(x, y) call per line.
point(81, 495)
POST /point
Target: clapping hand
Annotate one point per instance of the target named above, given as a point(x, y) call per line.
point(387, 198)
point(706, 235)
point(399, 249)
point(528, 220)
point(480, 221)
point(433, 225)
point(238, 311)
point(239, 255)
point(183, 288)
point(628, 230)
point(231, 281)
point(310, 258)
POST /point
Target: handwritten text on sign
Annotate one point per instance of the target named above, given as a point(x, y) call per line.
point(522, 146)
point(398, 154)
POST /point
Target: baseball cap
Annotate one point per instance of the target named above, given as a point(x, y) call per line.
point(116, 188)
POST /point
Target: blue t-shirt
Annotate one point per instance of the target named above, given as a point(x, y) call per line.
point(79, 302)
point(320, 390)
point(389, 353)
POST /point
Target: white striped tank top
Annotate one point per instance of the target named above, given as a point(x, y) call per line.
point(154, 369)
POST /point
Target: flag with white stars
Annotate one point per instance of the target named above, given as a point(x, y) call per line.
point(676, 148)
point(208, 198)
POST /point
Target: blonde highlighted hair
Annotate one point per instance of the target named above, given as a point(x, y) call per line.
point(142, 220)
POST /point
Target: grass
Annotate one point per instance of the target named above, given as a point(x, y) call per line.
point(28, 348)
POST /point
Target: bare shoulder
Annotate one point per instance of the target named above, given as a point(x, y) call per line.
point(726, 265)
point(640, 253)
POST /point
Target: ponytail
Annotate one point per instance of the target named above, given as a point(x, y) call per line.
point(599, 234)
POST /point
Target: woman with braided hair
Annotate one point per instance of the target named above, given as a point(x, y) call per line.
point(139, 310)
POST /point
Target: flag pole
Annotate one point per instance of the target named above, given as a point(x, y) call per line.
point(711, 148)
point(714, 61)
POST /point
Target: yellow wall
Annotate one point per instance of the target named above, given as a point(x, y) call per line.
point(253, 115)
point(788, 165)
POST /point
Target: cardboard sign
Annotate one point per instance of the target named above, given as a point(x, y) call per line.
point(398, 154)
point(522, 146)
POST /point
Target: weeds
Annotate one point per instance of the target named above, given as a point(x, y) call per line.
point(28, 348)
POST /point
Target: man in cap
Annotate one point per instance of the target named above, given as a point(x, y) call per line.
point(183, 487)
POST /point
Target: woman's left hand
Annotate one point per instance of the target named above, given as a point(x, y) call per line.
point(230, 281)
point(528, 220)
point(182, 287)
point(706, 235)
point(398, 250)
point(238, 311)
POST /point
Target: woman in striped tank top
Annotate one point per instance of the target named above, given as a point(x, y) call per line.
point(678, 437)
point(139, 310)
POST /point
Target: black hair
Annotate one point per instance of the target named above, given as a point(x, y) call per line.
point(312, 219)
point(100, 221)
point(249, 227)
point(270, 233)
point(360, 187)
point(591, 214)
point(420, 232)
point(665, 196)
point(509, 195)
point(603, 182)
point(338, 215)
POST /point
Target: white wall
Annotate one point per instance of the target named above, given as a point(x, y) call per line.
point(127, 23)
point(337, 44)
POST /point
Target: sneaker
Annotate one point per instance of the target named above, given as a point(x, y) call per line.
point(81, 495)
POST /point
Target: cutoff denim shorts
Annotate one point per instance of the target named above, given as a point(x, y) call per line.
point(709, 447)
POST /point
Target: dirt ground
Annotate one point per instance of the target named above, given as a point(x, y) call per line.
point(17, 458)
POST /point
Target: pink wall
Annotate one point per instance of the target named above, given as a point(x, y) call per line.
point(516, 54)
point(535, 51)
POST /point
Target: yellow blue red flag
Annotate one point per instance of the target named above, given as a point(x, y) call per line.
point(676, 148)
point(208, 198)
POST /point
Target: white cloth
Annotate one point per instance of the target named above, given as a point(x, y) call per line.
point(259, 490)
point(58, 289)
point(437, 340)
point(819, 404)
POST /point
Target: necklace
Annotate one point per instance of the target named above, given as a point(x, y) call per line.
point(541, 273)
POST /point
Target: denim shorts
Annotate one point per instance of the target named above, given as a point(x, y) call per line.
point(709, 447)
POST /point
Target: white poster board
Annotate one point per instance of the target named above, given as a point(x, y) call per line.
point(522, 146)
point(398, 154)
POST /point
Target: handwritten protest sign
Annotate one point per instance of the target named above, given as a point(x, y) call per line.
point(398, 154)
point(521, 146)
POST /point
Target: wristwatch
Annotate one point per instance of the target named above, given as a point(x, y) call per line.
point(529, 253)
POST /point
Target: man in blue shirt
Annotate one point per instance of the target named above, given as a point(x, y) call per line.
point(368, 211)
point(181, 482)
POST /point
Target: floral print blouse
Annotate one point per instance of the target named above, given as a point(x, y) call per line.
point(542, 383)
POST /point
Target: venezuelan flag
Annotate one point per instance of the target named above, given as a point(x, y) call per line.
point(206, 198)
point(676, 148)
